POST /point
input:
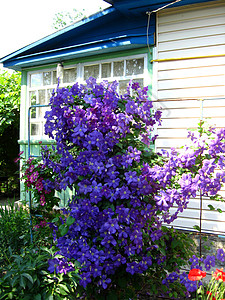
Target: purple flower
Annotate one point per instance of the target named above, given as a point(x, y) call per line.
point(131, 107)
point(131, 176)
point(53, 265)
point(209, 262)
point(118, 260)
point(162, 200)
point(111, 226)
point(104, 281)
point(132, 267)
point(191, 286)
point(124, 192)
point(89, 98)
point(156, 235)
point(65, 267)
point(85, 279)
point(220, 255)
point(85, 186)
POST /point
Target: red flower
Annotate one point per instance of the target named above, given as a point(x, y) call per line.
point(211, 298)
point(219, 274)
point(196, 274)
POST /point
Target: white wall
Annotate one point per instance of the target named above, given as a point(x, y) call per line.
point(189, 63)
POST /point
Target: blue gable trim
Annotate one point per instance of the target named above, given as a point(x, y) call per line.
point(76, 52)
point(135, 7)
point(104, 32)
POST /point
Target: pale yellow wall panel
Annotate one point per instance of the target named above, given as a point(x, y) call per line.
point(192, 72)
point(198, 92)
point(191, 63)
point(167, 104)
point(207, 81)
point(194, 13)
point(179, 123)
point(195, 42)
point(179, 33)
point(192, 52)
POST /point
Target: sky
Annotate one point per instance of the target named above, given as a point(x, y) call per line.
point(24, 22)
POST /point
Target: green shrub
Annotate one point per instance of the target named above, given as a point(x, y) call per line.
point(14, 229)
point(27, 277)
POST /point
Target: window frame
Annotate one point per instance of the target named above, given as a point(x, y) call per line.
point(80, 79)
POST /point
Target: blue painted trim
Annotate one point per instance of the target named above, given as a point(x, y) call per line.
point(121, 43)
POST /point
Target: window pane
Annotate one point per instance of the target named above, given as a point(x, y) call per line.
point(91, 71)
point(33, 101)
point(42, 111)
point(106, 70)
point(135, 66)
point(35, 129)
point(41, 96)
point(123, 86)
point(47, 78)
point(54, 78)
point(118, 68)
point(36, 79)
point(70, 75)
point(49, 95)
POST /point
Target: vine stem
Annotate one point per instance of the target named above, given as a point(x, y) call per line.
point(200, 226)
point(200, 217)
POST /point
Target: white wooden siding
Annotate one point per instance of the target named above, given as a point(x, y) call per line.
point(189, 64)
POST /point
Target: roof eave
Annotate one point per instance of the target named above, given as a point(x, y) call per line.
point(58, 33)
point(101, 47)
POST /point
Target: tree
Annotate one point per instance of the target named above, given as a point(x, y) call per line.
point(9, 122)
point(65, 18)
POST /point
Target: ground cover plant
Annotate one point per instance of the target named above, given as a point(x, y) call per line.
point(122, 192)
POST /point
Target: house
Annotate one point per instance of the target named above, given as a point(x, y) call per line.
point(177, 48)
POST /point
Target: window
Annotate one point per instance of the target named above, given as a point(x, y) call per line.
point(41, 83)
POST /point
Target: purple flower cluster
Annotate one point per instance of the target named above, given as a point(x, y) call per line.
point(122, 195)
point(99, 141)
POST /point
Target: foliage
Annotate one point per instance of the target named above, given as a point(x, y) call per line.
point(9, 99)
point(64, 18)
point(14, 230)
point(9, 125)
point(27, 277)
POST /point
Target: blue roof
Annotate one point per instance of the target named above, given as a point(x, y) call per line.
point(120, 27)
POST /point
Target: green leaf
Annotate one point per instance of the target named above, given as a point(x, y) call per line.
point(63, 229)
point(28, 276)
point(211, 207)
point(55, 220)
point(70, 220)
point(61, 290)
point(122, 282)
point(22, 282)
point(196, 227)
point(219, 210)
point(112, 296)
